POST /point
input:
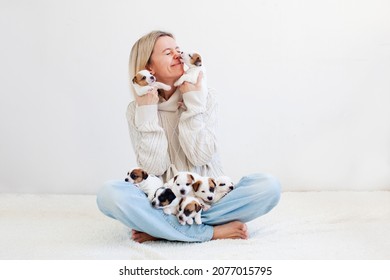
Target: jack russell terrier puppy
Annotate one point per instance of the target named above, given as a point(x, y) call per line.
point(181, 183)
point(144, 81)
point(165, 199)
point(194, 62)
point(148, 183)
point(204, 189)
point(224, 186)
point(189, 209)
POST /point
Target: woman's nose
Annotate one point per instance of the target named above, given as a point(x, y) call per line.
point(176, 54)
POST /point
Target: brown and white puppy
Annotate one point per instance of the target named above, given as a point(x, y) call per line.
point(204, 189)
point(165, 199)
point(144, 81)
point(181, 183)
point(224, 186)
point(195, 65)
point(189, 209)
point(148, 183)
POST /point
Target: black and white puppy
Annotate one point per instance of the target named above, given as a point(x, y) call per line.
point(165, 199)
point(144, 81)
point(148, 183)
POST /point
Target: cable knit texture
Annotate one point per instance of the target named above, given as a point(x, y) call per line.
point(167, 137)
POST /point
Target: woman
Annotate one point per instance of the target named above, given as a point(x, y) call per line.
point(175, 130)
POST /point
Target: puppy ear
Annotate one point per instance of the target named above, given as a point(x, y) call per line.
point(191, 177)
point(174, 178)
point(134, 79)
point(198, 59)
point(196, 185)
point(180, 202)
point(212, 182)
point(197, 207)
point(198, 62)
point(144, 175)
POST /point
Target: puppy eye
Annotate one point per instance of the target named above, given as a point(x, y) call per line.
point(188, 184)
point(143, 78)
point(203, 191)
point(222, 184)
point(177, 184)
point(128, 173)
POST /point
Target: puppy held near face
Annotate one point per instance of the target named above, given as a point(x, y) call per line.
point(144, 81)
point(193, 61)
point(186, 195)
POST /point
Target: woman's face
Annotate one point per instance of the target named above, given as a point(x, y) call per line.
point(165, 62)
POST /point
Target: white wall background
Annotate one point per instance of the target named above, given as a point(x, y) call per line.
point(304, 89)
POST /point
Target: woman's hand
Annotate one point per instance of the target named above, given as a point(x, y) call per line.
point(150, 98)
point(187, 87)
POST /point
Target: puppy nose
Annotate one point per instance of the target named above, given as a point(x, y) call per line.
point(182, 191)
point(231, 187)
point(181, 218)
point(210, 198)
point(153, 78)
point(127, 179)
point(153, 203)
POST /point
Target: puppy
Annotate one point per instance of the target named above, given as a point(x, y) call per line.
point(204, 189)
point(148, 183)
point(143, 82)
point(181, 183)
point(189, 209)
point(194, 62)
point(165, 199)
point(224, 185)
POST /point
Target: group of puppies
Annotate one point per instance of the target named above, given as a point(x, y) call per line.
point(186, 195)
point(144, 81)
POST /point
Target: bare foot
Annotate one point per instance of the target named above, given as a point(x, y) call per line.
point(232, 230)
point(141, 237)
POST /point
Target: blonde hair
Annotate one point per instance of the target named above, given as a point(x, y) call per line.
point(142, 51)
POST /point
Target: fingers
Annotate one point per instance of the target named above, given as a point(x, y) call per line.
point(150, 98)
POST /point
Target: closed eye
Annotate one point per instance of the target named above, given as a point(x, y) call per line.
point(222, 184)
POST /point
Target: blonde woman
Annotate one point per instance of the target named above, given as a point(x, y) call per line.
point(168, 136)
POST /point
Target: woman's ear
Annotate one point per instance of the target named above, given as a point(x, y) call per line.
point(149, 69)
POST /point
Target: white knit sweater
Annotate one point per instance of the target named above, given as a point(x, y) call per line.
point(167, 138)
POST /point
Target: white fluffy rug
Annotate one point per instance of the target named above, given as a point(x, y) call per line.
point(305, 225)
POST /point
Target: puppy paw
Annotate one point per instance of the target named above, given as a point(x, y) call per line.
point(179, 82)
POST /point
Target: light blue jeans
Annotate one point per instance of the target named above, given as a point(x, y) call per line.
point(253, 196)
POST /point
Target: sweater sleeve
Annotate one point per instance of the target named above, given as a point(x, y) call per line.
point(148, 138)
point(197, 127)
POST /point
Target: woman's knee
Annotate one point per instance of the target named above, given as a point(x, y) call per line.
point(111, 196)
point(265, 185)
